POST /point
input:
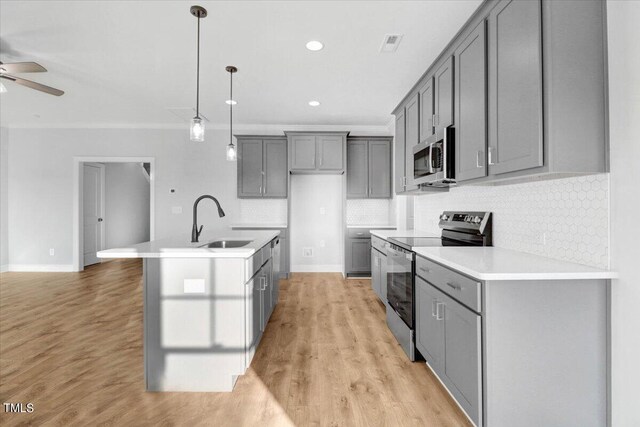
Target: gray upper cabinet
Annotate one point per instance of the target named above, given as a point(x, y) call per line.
point(275, 168)
point(380, 169)
point(426, 109)
point(399, 153)
point(330, 153)
point(317, 153)
point(471, 106)
point(357, 169)
point(515, 79)
point(369, 168)
point(262, 170)
point(412, 138)
point(250, 168)
point(443, 95)
point(303, 152)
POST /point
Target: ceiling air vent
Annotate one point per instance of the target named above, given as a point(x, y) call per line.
point(390, 42)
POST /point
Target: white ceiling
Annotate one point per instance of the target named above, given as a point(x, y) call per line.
point(125, 63)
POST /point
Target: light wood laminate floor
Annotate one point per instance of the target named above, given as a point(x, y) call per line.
point(71, 343)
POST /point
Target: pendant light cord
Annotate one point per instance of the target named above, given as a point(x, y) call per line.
point(231, 109)
point(198, 73)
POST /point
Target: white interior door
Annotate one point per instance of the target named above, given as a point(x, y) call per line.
point(93, 211)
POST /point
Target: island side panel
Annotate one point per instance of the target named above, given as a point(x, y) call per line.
point(194, 323)
point(545, 353)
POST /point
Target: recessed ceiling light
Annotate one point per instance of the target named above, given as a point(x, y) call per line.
point(314, 45)
point(314, 103)
point(231, 102)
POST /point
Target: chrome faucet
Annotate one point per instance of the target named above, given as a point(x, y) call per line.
point(195, 232)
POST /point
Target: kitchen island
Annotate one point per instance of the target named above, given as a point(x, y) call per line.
point(205, 308)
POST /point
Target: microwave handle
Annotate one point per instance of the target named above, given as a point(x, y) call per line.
point(431, 158)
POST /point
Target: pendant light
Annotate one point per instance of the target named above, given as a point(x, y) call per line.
point(197, 125)
point(231, 149)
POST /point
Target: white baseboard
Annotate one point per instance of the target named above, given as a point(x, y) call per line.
point(4, 268)
point(312, 268)
point(41, 268)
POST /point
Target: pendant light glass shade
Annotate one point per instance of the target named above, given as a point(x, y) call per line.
point(197, 129)
point(232, 154)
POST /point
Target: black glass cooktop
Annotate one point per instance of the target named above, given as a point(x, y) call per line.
point(414, 242)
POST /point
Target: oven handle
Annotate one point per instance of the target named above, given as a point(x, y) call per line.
point(392, 251)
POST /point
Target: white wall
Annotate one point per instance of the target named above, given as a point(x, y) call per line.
point(4, 194)
point(310, 196)
point(41, 187)
point(624, 118)
point(127, 199)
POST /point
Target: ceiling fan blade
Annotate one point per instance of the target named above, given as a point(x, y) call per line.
point(23, 67)
point(33, 85)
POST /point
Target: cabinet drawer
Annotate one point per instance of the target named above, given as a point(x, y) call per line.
point(379, 244)
point(464, 289)
point(358, 233)
point(266, 252)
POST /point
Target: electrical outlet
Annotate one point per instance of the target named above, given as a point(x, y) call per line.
point(307, 252)
point(322, 243)
point(52, 252)
point(323, 211)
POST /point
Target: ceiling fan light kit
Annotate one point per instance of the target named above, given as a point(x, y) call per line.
point(197, 125)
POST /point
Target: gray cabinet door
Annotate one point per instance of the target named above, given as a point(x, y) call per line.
point(426, 109)
point(256, 314)
point(470, 106)
point(267, 295)
point(515, 87)
point(275, 168)
point(379, 169)
point(462, 364)
point(303, 152)
point(412, 138)
point(250, 168)
point(383, 278)
point(330, 152)
point(357, 169)
point(399, 153)
point(359, 255)
point(430, 324)
point(375, 272)
point(443, 94)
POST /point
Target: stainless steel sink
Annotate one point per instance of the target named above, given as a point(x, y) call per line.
point(227, 244)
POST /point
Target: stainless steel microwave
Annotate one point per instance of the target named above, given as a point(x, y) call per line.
point(433, 160)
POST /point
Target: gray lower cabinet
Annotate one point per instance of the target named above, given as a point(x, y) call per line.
point(317, 153)
point(449, 337)
point(358, 252)
point(515, 76)
point(471, 106)
point(262, 167)
point(379, 274)
point(369, 168)
point(284, 247)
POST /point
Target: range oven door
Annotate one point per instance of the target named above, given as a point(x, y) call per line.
point(400, 282)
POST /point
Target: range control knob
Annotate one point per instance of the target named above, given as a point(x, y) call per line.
point(477, 220)
point(444, 217)
point(467, 218)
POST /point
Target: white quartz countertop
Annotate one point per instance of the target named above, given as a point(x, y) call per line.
point(491, 263)
point(181, 246)
point(380, 227)
point(385, 234)
point(245, 226)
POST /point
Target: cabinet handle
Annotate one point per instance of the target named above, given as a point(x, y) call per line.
point(433, 120)
point(439, 315)
point(313, 161)
point(320, 160)
point(434, 310)
point(260, 189)
point(370, 190)
point(424, 270)
point(479, 159)
point(454, 286)
point(490, 153)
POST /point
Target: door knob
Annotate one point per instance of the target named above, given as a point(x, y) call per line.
point(99, 219)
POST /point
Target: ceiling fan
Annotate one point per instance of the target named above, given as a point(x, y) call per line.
point(27, 67)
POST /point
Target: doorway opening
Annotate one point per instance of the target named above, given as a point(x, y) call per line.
point(113, 205)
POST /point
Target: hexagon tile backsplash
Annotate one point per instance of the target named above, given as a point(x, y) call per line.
point(565, 218)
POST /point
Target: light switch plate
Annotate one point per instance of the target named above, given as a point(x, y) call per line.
point(194, 286)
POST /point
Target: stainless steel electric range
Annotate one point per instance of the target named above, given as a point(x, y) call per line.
point(458, 229)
